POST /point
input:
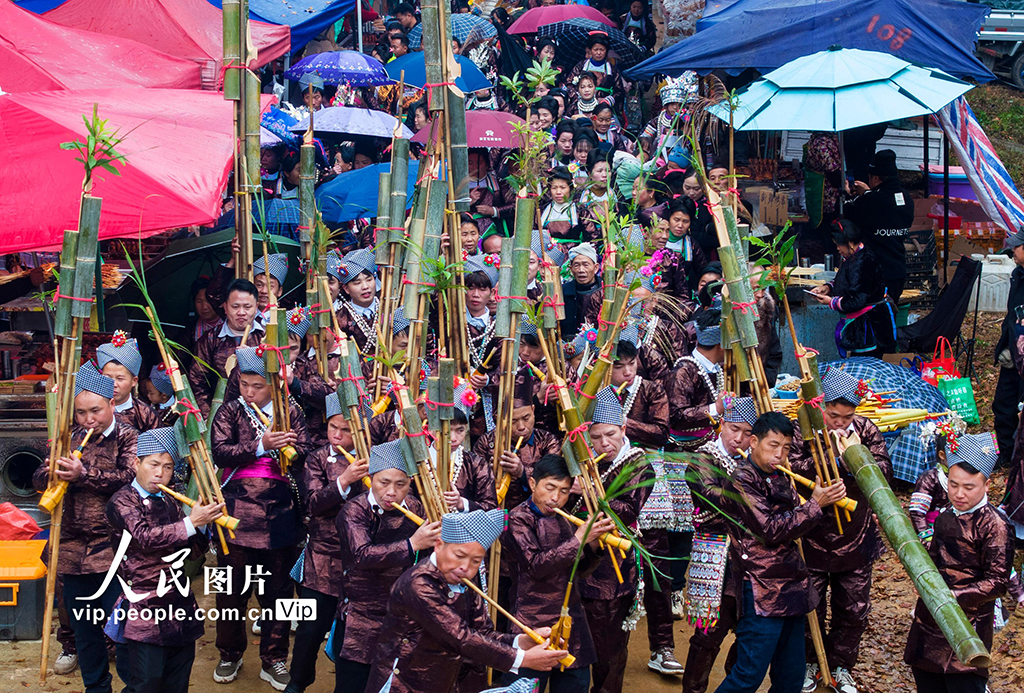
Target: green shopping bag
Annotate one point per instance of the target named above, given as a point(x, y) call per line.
point(959, 394)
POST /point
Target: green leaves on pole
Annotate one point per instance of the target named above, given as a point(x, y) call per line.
point(927, 579)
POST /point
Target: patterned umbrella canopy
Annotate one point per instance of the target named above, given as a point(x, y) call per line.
point(341, 67)
point(347, 120)
point(465, 24)
point(910, 454)
point(571, 36)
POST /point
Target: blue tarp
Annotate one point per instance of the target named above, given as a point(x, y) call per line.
point(306, 18)
point(766, 34)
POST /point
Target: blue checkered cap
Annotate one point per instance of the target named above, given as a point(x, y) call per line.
point(608, 408)
point(89, 379)
point(709, 336)
point(518, 686)
point(577, 344)
point(399, 323)
point(334, 405)
point(646, 281)
point(386, 456)
point(356, 262)
point(127, 355)
point(278, 267)
point(250, 362)
point(475, 263)
point(978, 450)
point(838, 384)
point(526, 325)
point(630, 333)
point(541, 243)
point(334, 265)
point(161, 381)
point(298, 321)
point(157, 440)
point(481, 526)
point(459, 392)
point(741, 410)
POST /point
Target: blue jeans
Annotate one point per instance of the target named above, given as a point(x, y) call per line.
point(764, 641)
point(88, 628)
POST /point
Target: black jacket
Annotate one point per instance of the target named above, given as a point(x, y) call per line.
point(859, 284)
point(1014, 299)
point(885, 215)
point(575, 297)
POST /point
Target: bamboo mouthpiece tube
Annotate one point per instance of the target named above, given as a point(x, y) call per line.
point(608, 538)
point(226, 521)
point(848, 504)
point(54, 493)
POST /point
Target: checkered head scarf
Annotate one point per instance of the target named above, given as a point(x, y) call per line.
point(157, 440)
point(89, 379)
point(608, 408)
point(481, 526)
point(837, 384)
point(979, 450)
point(250, 360)
point(278, 267)
point(120, 350)
point(741, 410)
point(386, 456)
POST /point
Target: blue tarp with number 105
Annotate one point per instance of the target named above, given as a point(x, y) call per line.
point(766, 34)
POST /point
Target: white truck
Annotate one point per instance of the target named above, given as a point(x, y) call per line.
point(1001, 40)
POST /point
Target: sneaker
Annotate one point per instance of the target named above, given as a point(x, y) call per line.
point(844, 680)
point(257, 627)
point(663, 660)
point(678, 610)
point(295, 625)
point(226, 671)
point(811, 677)
point(276, 675)
point(66, 663)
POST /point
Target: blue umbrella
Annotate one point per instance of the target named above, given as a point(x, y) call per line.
point(279, 216)
point(342, 67)
point(348, 120)
point(838, 89)
point(353, 194)
point(416, 72)
point(465, 24)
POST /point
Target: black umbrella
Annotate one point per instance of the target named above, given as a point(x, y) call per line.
point(170, 276)
point(572, 36)
point(513, 57)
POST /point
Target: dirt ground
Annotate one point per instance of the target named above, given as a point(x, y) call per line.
point(880, 670)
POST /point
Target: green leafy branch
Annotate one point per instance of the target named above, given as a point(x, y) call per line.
point(99, 151)
point(774, 258)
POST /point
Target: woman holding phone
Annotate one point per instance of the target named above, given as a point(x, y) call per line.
point(867, 325)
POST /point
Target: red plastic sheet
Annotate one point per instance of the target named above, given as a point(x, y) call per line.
point(188, 29)
point(36, 54)
point(179, 146)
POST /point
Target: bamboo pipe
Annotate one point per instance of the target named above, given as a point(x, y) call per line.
point(620, 543)
point(506, 479)
point(54, 493)
point(847, 504)
point(227, 522)
point(287, 453)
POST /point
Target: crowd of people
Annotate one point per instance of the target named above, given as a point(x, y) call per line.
point(725, 541)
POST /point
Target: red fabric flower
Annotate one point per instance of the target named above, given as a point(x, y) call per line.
point(469, 397)
point(119, 339)
point(260, 350)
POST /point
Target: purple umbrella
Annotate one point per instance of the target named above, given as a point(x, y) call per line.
point(347, 120)
point(342, 67)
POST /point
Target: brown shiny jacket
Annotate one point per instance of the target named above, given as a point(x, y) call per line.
point(543, 550)
point(375, 551)
point(266, 508)
point(974, 554)
point(860, 543)
point(764, 549)
point(214, 351)
point(430, 630)
point(109, 464)
point(647, 418)
point(157, 527)
point(540, 443)
point(322, 560)
point(141, 416)
point(689, 395)
point(312, 390)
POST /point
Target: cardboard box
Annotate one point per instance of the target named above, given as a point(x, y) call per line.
point(897, 357)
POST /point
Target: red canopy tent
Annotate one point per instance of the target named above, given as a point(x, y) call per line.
point(189, 29)
point(179, 147)
point(36, 55)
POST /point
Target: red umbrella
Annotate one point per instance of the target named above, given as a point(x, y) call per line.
point(532, 20)
point(37, 55)
point(488, 129)
point(178, 143)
